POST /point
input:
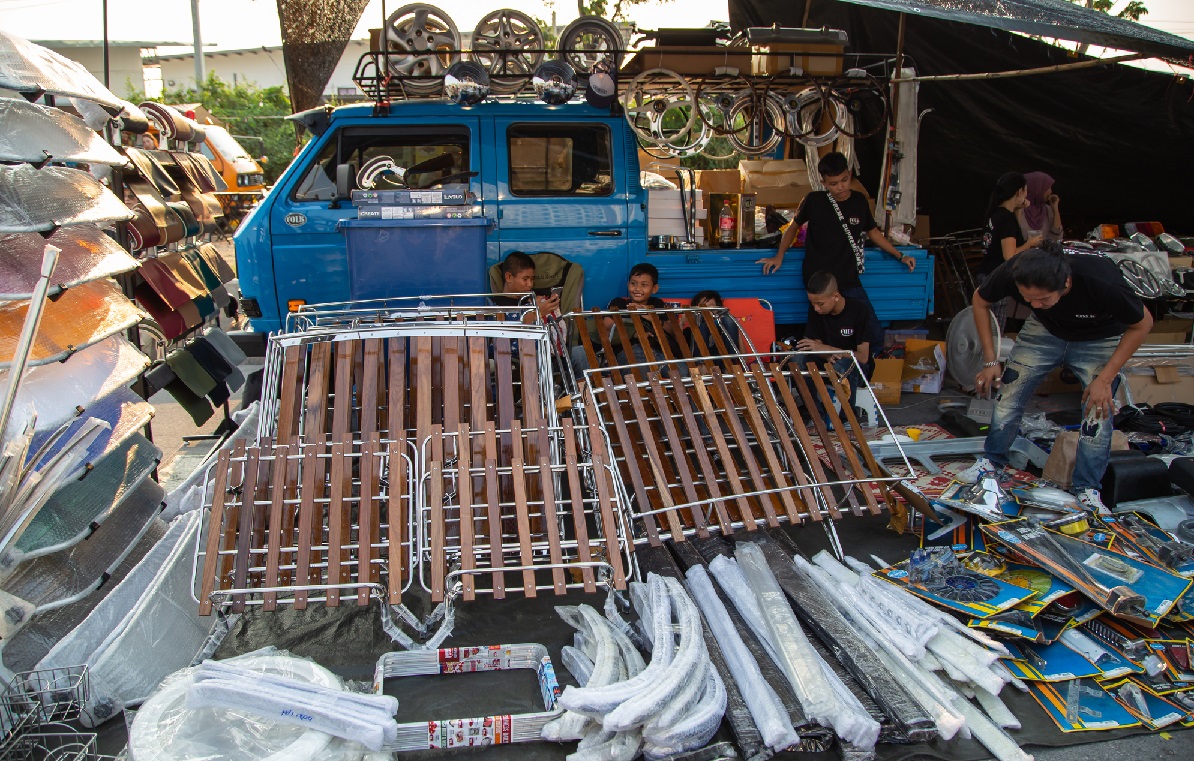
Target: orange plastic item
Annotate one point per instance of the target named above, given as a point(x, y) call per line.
point(1107, 232)
point(82, 316)
point(757, 320)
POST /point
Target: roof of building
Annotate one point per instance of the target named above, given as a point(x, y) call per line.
point(111, 43)
point(214, 53)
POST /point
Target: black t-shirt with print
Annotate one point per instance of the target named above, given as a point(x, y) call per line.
point(1099, 304)
point(622, 302)
point(845, 330)
point(1002, 224)
point(826, 247)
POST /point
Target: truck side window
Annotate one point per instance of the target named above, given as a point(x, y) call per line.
point(560, 160)
point(434, 151)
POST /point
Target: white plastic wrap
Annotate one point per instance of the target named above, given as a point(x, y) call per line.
point(730, 579)
point(606, 668)
point(577, 663)
point(165, 730)
point(994, 739)
point(996, 710)
point(696, 727)
point(768, 714)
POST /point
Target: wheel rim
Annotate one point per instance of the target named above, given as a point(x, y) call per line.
point(588, 40)
point(423, 42)
point(508, 43)
point(755, 143)
point(648, 100)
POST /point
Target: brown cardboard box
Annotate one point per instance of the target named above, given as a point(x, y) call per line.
point(777, 58)
point(541, 163)
point(924, 366)
point(1059, 468)
point(375, 40)
point(645, 161)
point(1169, 330)
point(719, 181)
point(775, 182)
point(921, 231)
point(1176, 262)
point(1151, 385)
point(886, 380)
point(691, 60)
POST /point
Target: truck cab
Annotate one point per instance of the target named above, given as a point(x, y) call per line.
point(242, 174)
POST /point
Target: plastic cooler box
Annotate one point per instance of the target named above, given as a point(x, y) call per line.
point(415, 257)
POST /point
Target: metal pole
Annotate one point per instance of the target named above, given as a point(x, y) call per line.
point(889, 214)
point(200, 75)
point(107, 72)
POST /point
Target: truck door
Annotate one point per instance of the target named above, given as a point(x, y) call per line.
point(310, 257)
point(560, 189)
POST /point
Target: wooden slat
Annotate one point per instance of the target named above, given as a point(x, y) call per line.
point(452, 413)
point(607, 346)
point(281, 470)
point(708, 471)
point(835, 461)
point(676, 446)
point(366, 518)
point(665, 344)
point(492, 492)
point(737, 486)
point(532, 413)
point(232, 510)
point(396, 395)
point(215, 531)
point(867, 455)
point(504, 382)
point(396, 517)
point(794, 462)
point(840, 430)
point(550, 518)
point(261, 508)
point(814, 461)
point(586, 340)
point(464, 494)
point(478, 410)
point(435, 503)
point(522, 510)
point(310, 511)
point(289, 397)
point(609, 526)
point(584, 551)
point(763, 439)
point(644, 339)
point(244, 534)
point(315, 411)
point(370, 383)
point(289, 512)
point(715, 333)
point(437, 379)
point(423, 384)
point(627, 349)
point(748, 456)
point(338, 518)
point(659, 470)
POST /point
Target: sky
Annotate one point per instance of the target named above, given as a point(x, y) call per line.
point(240, 24)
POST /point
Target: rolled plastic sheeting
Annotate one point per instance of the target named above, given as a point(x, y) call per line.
point(165, 730)
point(35, 200)
point(33, 133)
point(54, 392)
point(81, 317)
point(27, 67)
point(86, 253)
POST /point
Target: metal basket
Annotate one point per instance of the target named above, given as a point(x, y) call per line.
point(46, 695)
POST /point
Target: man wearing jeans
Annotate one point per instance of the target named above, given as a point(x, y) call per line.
point(1085, 317)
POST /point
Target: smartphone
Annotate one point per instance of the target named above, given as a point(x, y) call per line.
point(557, 291)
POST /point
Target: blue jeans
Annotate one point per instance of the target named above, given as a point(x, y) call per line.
point(1036, 353)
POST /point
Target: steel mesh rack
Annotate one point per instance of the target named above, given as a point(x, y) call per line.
point(34, 706)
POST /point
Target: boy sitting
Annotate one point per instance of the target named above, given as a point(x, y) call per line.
point(838, 325)
point(641, 287)
point(518, 279)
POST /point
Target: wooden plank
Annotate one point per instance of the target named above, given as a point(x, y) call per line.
point(423, 385)
point(814, 460)
point(715, 333)
point(435, 503)
point(464, 494)
point(748, 457)
point(586, 340)
point(763, 440)
point(627, 350)
point(376, 512)
point(584, 552)
point(664, 340)
point(607, 346)
point(644, 339)
point(860, 441)
point(795, 468)
point(370, 383)
point(232, 510)
point(835, 461)
point(244, 534)
point(532, 412)
point(308, 510)
point(215, 531)
point(708, 470)
point(478, 407)
point(338, 518)
point(631, 458)
point(289, 397)
point(437, 379)
point(261, 506)
point(737, 486)
point(496, 562)
point(840, 430)
point(550, 517)
point(504, 381)
point(659, 470)
point(273, 556)
point(396, 490)
point(679, 455)
point(396, 395)
point(315, 410)
point(609, 526)
point(452, 414)
point(366, 518)
point(522, 511)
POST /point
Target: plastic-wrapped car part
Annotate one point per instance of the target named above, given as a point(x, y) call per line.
point(34, 200)
point(819, 613)
point(764, 706)
point(33, 133)
point(994, 739)
point(733, 583)
point(996, 710)
point(577, 663)
point(86, 253)
point(54, 392)
point(164, 729)
point(694, 729)
point(27, 67)
point(607, 668)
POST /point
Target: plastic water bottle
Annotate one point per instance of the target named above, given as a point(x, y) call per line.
point(725, 226)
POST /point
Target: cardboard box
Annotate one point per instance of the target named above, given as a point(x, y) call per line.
point(647, 163)
point(1177, 262)
point(921, 231)
point(696, 60)
point(777, 58)
point(1151, 385)
point(719, 180)
point(887, 380)
point(893, 337)
point(777, 182)
point(1169, 330)
point(743, 207)
point(924, 366)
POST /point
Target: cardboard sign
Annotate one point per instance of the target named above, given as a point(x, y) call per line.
point(924, 366)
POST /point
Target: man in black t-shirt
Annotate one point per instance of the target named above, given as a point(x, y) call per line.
point(1085, 317)
point(839, 221)
point(839, 325)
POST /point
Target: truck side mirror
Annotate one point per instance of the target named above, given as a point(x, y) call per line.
point(346, 180)
point(263, 160)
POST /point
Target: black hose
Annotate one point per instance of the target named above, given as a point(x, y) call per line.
point(1179, 412)
point(1145, 419)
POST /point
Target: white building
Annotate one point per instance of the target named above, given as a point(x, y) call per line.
point(126, 74)
point(263, 67)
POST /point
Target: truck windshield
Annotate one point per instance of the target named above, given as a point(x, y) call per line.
point(406, 147)
point(224, 143)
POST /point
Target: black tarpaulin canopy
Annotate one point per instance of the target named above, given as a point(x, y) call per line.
point(1047, 18)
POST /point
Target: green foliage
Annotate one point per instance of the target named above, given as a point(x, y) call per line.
point(613, 11)
point(247, 109)
point(1133, 10)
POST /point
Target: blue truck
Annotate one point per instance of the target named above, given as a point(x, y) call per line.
point(561, 178)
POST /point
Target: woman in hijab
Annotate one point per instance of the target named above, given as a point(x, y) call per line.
point(1041, 216)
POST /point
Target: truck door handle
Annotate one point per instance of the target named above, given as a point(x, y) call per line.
point(606, 233)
